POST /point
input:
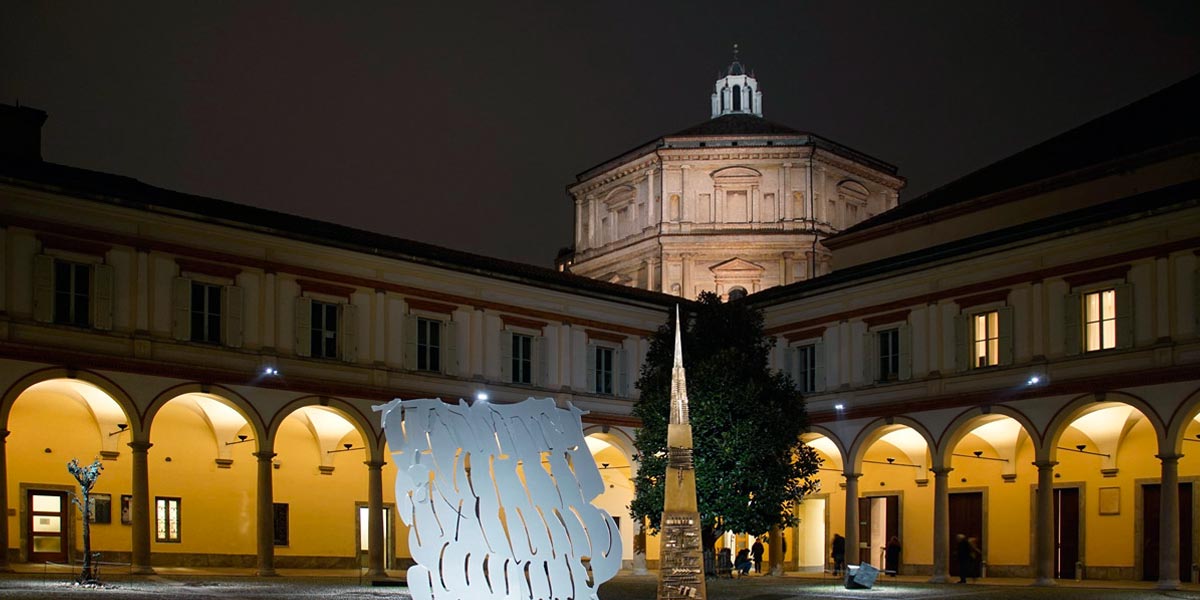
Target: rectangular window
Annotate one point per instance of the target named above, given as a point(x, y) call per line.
point(279, 512)
point(429, 345)
point(603, 370)
point(522, 358)
point(889, 354)
point(1100, 320)
point(324, 329)
point(806, 368)
point(72, 291)
point(206, 313)
point(166, 519)
point(985, 339)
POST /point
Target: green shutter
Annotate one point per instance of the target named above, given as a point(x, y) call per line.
point(232, 308)
point(449, 348)
point(303, 322)
point(541, 373)
point(348, 333)
point(1073, 324)
point(1005, 322)
point(43, 288)
point(410, 342)
point(1125, 325)
point(590, 368)
point(621, 373)
point(819, 368)
point(905, 332)
point(790, 364)
point(181, 308)
point(506, 339)
point(102, 297)
point(870, 357)
point(963, 338)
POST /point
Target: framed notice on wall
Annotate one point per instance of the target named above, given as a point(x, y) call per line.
point(1110, 500)
point(101, 508)
point(126, 509)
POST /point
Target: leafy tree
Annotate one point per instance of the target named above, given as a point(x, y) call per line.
point(751, 467)
point(86, 476)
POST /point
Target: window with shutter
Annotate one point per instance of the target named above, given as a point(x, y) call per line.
point(72, 293)
point(806, 368)
point(1100, 320)
point(429, 345)
point(205, 313)
point(323, 329)
point(520, 358)
point(602, 370)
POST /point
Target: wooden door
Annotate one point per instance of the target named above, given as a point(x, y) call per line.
point(864, 532)
point(966, 517)
point(869, 553)
point(1066, 532)
point(1151, 503)
point(47, 526)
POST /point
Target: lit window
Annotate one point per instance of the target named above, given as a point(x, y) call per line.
point(1100, 320)
point(324, 329)
point(429, 345)
point(889, 354)
point(72, 289)
point(985, 339)
point(166, 511)
point(806, 368)
point(206, 313)
point(522, 358)
point(603, 370)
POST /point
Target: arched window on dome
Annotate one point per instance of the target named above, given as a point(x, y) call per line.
point(737, 293)
point(724, 93)
point(737, 98)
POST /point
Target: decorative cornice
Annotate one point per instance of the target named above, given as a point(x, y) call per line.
point(430, 306)
point(187, 265)
point(321, 287)
point(68, 244)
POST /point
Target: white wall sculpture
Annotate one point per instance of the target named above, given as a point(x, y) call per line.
point(498, 500)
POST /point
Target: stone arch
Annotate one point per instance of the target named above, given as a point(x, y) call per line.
point(243, 406)
point(1184, 413)
point(344, 408)
point(1078, 406)
point(877, 429)
point(736, 172)
point(818, 430)
point(619, 439)
point(853, 189)
point(957, 430)
point(104, 384)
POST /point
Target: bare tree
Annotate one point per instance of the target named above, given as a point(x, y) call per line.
point(86, 476)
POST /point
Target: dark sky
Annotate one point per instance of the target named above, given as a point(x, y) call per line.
point(462, 125)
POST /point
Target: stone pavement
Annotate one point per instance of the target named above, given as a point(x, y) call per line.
point(228, 584)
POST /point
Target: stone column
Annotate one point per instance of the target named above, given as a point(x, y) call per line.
point(852, 549)
point(639, 547)
point(1168, 524)
point(4, 566)
point(579, 245)
point(376, 553)
point(266, 515)
point(941, 525)
point(1044, 530)
point(139, 508)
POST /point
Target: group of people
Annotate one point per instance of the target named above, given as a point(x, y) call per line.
point(969, 557)
point(891, 555)
point(742, 562)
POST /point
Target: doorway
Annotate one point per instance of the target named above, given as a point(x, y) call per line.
point(1151, 499)
point(47, 526)
point(389, 553)
point(878, 521)
point(966, 518)
point(1066, 532)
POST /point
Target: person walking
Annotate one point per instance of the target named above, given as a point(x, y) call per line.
point(891, 556)
point(963, 554)
point(757, 551)
point(839, 553)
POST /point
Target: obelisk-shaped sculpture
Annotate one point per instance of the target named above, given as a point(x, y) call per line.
point(682, 571)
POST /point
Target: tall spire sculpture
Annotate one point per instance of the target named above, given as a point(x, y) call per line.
point(682, 571)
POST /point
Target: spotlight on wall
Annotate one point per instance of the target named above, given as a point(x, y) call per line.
point(121, 427)
point(270, 371)
point(839, 407)
point(481, 396)
point(241, 439)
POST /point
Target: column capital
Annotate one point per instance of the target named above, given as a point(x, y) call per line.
point(1168, 457)
point(1045, 464)
point(374, 465)
point(941, 471)
point(850, 476)
point(140, 446)
point(265, 456)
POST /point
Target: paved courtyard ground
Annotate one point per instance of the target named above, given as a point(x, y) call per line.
point(180, 583)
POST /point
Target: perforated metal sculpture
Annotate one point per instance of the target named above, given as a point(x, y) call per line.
point(498, 500)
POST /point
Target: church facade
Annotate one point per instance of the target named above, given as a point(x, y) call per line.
point(734, 205)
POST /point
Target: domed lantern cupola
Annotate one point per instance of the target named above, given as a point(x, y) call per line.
point(736, 92)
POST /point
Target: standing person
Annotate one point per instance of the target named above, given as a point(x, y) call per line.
point(757, 550)
point(963, 554)
point(839, 553)
point(976, 557)
point(891, 560)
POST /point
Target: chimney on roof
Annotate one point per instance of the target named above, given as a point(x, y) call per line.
point(21, 132)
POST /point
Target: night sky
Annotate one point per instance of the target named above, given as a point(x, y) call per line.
point(461, 125)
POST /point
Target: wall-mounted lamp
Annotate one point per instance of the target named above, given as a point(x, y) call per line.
point(1191, 440)
point(1081, 448)
point(241, 439)
point(481, 396)
point(979, 454)
point(346, 448)
point(890, 461)
point(121, 428)
point(839, 407)
point(275, 463)
point(271, 371)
